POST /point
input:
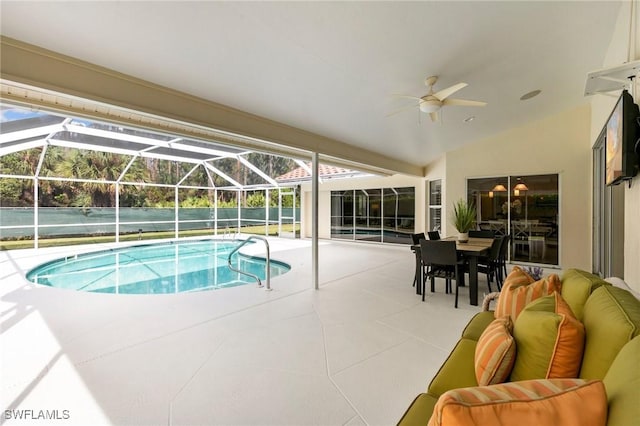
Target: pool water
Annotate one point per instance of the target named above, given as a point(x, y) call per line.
point(160, 268)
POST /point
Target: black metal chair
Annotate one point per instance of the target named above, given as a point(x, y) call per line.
point(440, 260)
point(490, 264)
point(502, 260)
point(433, 235)
point(483, 233)
point(415, 238)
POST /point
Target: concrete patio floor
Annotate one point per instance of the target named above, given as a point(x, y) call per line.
point(355, 352)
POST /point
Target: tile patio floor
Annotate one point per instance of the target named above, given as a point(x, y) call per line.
point(355, 352)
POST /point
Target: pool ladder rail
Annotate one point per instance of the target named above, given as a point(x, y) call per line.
point(268, 263)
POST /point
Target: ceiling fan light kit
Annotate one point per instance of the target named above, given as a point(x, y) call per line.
point(432, 102)
point(430, 105)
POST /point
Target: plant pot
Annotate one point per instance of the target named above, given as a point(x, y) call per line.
point(463, 237)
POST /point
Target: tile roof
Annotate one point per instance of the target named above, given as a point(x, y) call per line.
point(324, 171)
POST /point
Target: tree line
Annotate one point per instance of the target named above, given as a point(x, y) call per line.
point(95, 166)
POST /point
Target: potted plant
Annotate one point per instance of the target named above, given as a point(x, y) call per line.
point(464, 219)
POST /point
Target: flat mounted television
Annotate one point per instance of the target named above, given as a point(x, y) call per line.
point(621, 135)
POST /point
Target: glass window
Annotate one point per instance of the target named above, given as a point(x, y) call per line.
point(435, 205)
point(526, 207)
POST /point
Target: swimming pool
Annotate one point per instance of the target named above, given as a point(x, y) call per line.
point(159, 268)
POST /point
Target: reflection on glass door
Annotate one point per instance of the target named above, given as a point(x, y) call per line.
point(524, 207)
point(377, 215)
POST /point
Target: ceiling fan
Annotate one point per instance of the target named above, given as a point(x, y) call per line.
point(432, 102)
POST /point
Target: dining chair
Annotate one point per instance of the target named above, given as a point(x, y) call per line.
point(502, 259)
point(433, 235)
point(490, 264)
point(483, 233)
point(441, 260)
point(415, 238)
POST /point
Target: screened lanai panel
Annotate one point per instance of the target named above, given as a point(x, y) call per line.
point(122, 130)
point(98, 143)
point(24, 162)
point(184, 155)
point(138, 170)
point(20, 144)
point(164, 171)
point(238, 172)
point(272, 165)
point(17, 119)
point(196, 175)
point(84, 164)
point(210, 146)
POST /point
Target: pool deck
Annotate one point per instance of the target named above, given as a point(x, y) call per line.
point(355, 352)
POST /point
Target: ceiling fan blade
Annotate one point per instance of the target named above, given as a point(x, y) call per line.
point(402, 109)
point(406, 96)
point(445, 93)
point(463, 102)
point(434, 116)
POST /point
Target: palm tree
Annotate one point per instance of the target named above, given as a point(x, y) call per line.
point(97, 166)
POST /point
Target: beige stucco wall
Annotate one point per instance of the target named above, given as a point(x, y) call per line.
point(623, 49)
point(558, 144)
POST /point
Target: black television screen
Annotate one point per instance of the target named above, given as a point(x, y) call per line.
point(621, 136)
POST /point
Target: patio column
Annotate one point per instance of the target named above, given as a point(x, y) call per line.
point(314, 219)
point(117, 212)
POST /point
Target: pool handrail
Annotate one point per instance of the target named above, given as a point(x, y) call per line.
point(267, 265)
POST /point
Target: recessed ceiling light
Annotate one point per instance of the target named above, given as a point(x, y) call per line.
point(469, 119)
point(530, 95)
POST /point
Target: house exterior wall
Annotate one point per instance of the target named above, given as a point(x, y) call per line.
point(558, 144)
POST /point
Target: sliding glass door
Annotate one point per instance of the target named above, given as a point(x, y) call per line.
point(376, 215)
point(525, 207)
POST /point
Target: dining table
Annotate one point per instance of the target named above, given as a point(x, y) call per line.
point(471, 250)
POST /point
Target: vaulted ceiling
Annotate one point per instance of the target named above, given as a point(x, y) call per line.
point(333, 68)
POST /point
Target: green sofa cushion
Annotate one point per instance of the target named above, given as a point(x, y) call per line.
point(420, 410)
point(622, 382)
point(458, 371)
point(476, 326)
point(611, 319)
point(577, 286)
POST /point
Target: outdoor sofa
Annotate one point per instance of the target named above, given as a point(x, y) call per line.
point(607, 364)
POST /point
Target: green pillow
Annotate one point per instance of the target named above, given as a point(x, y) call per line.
point(611, 318)
point(549, 340)
point(577, 286)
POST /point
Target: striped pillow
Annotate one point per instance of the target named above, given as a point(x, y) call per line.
point(521, 289)
point(567, 402)
point(495, 352)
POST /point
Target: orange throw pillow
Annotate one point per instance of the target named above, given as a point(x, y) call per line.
point(566, 402)
point(519, 289)
point(495, 352)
